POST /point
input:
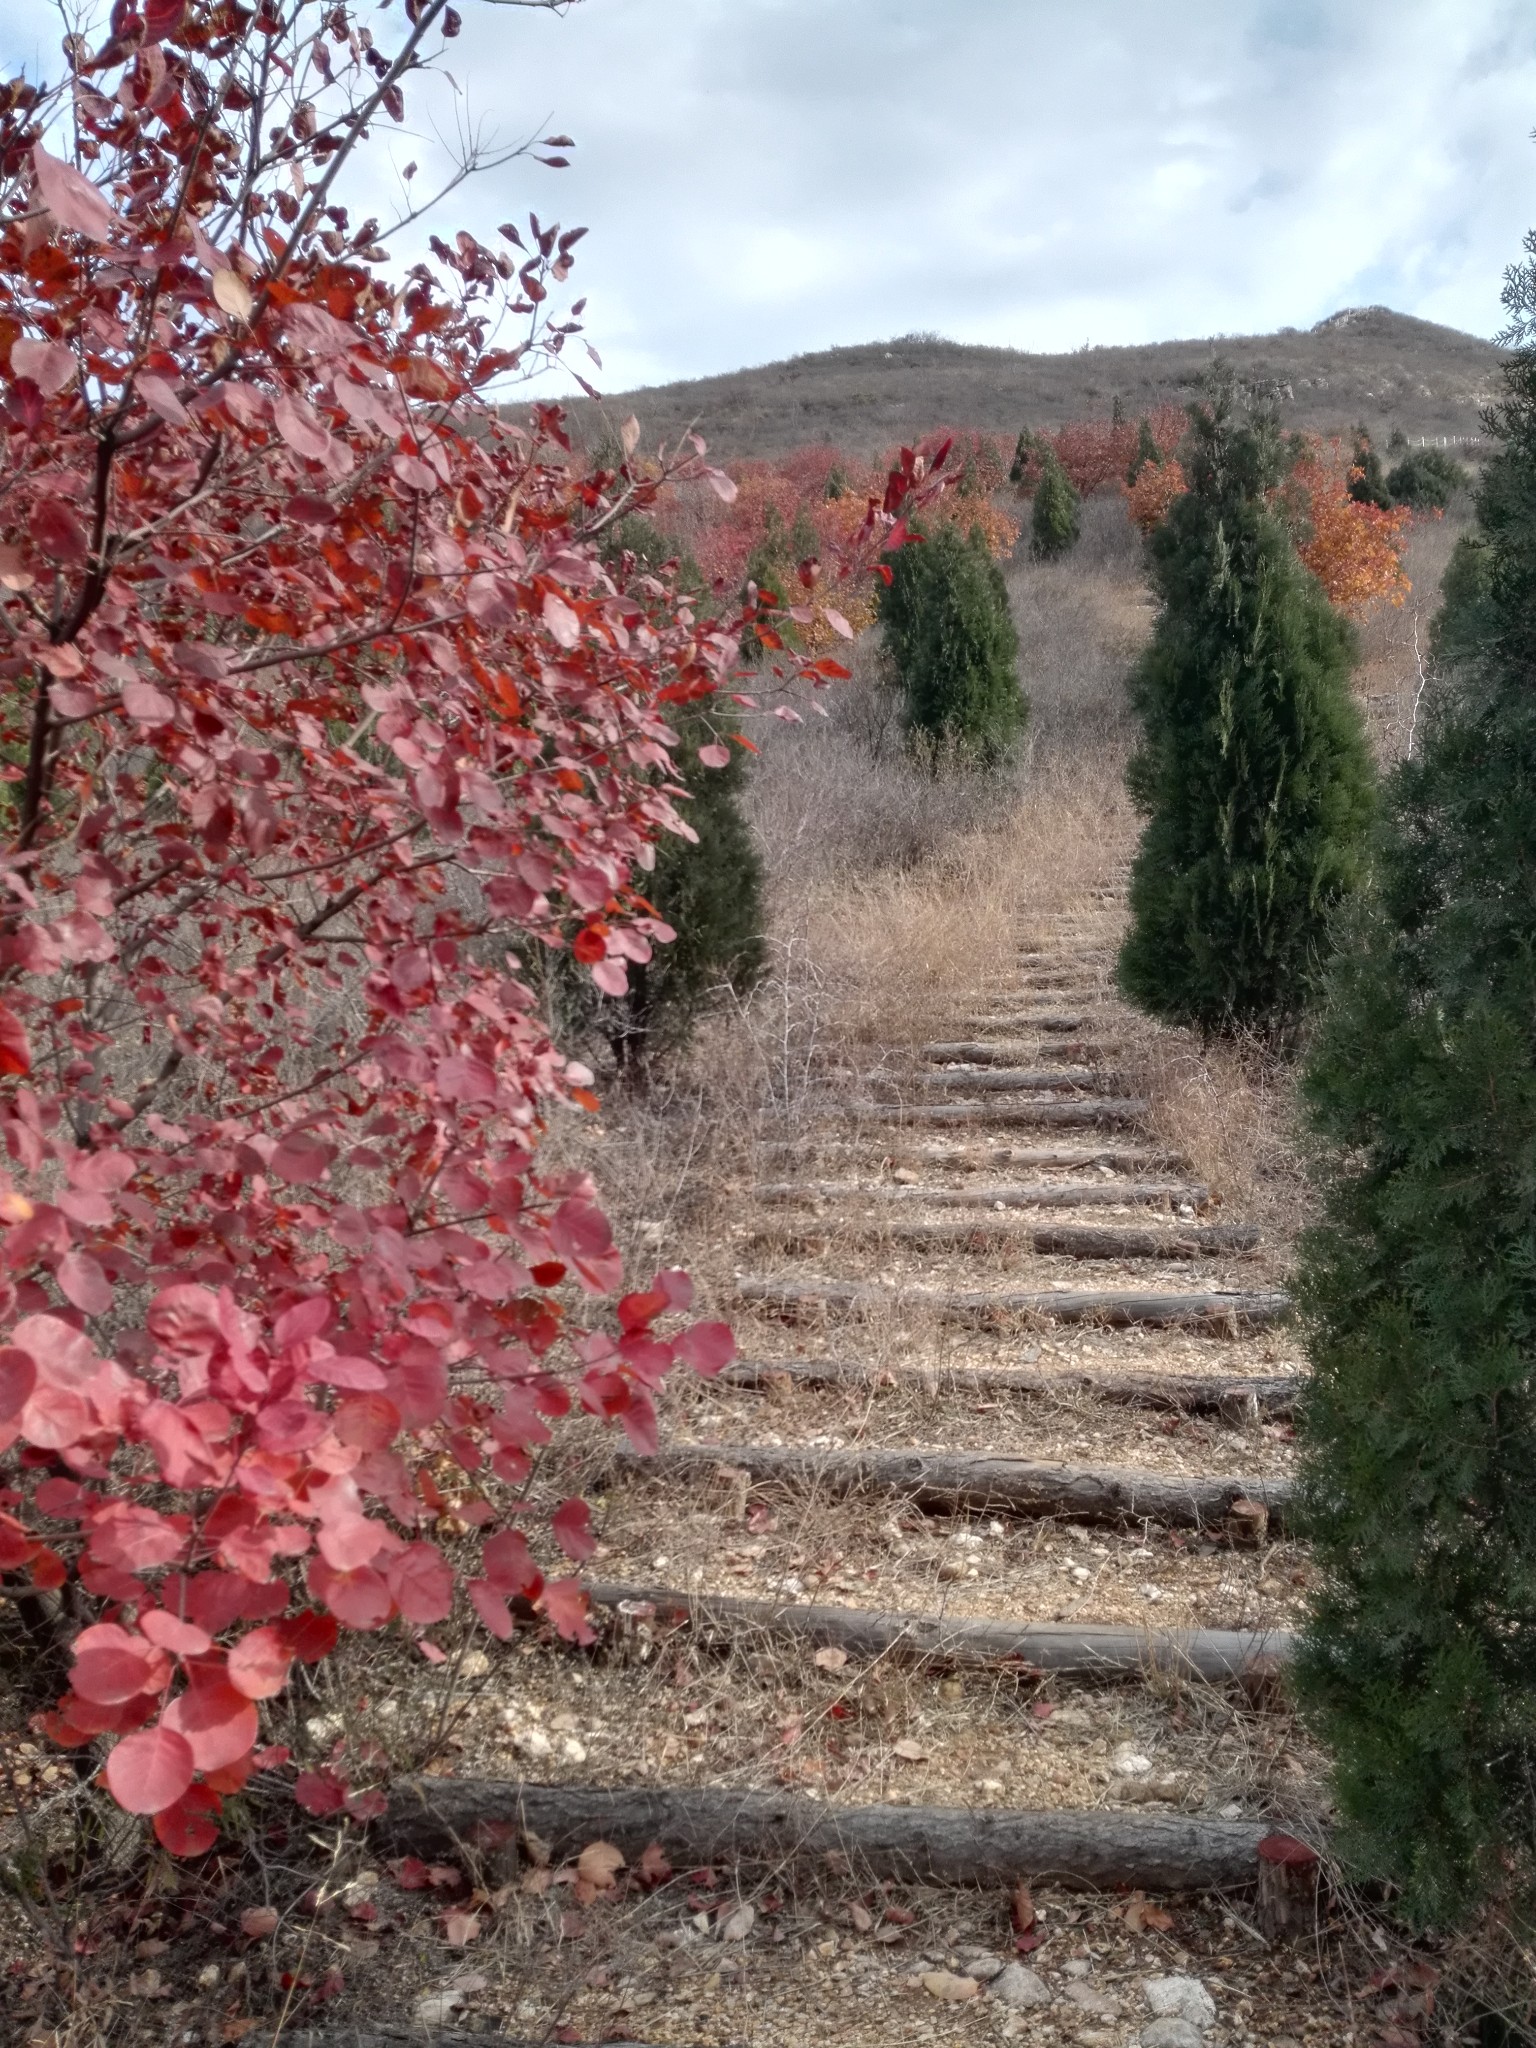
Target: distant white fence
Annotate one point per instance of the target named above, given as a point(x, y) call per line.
point(1447, 440)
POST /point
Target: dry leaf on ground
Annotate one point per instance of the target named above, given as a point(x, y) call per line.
point(952, 1989)
point(599, 1865)
point(738, 1925)
point(911, 1752)
point(831, 1658)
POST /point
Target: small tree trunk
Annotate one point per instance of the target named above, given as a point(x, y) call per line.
point(1289, 1874)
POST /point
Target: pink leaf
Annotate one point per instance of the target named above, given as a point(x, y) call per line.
point(303, 1158)
point(82, 1282)
point(563, 624)
point(146, 705)
point(421, 1580)
point(612, 977)
point(319, 1793)
point(491, 1608)
point(715, 756)
point(572, 1526)
point(160, 396)
point(707, 1347)
point(218, 1721)
point(49, 364)
point(168, 1632)
point(258, 1664)
point(18, 1376)
point(837, 622)
point(722, 485)
point(565, 1602)
point(149, 1771)
point(190, 1827)
point(507, 1563)
point(74, 203)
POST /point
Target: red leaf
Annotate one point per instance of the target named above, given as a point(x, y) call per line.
point(311, 1635)
point(111, 1665)
point(58, 533)
point(358, 1599)
point(572, 1526)
point(707, 1347)
point(73, 200)
point(508, 1565)
point(150, 1771)
point(566, 1603)
point(319, 1793)
point(18, 1377)
point(491, 1606)
point(15, 1052)
point(180, 1638)
point(217, 1719)
point(84, 1284)
point(190, 1827)
point(421, 1581)
point(715, 756)
point(258, 1664)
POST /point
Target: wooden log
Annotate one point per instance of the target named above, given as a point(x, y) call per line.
point(1003, 1233)
point(1124, 1113)
point(1223, 1312)
point(1234, 1398)
point(1002, 1052)
point(1047, 1194)
point(711, 1824)
point(958, 1482)
point(1072, 1649)
point(394, 2034)
point(1018, 1080)
point(1052, 1019)
point(1118, 1158)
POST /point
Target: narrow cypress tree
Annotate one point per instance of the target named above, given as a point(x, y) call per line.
point(951, 636)
point(1053, 525)
point(1419, 1474)
point(1147, 451)
point(1370, 486)
point(1253, 772)
point(1023, 448)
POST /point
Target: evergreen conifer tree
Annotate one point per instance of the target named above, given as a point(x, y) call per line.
point(1023, 448)
point(1419, 1476)
point(1053, 523)
point(710, 892)
point(1147, 451)
point(952, 640)
point(1370, 486)
point(1252, 772)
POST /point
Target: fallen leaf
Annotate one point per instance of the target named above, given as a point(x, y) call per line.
point(460, 1928)
point(1142, 1917)
point(901, 1916)
point(1021, 1909)
point(653, 1867)
point(860, 1916)
point(738, 1925)
point(831, 1658)
point(258, 1922)
point(910, 1751)
point(945, 1985)
point(599, 1865)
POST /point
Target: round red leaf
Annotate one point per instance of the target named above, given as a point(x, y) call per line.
point(190, 1827)
point(150, 1771)
point(258, 1663)
point(217, 1720)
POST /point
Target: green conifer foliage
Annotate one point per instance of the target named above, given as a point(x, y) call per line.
point(1023, 448)
point(1252, 772)
point(1419, 1475)
point(1370, 486)
point(1426, 480)
point(1053, 523)
point(951, 638)
point(1147, 451)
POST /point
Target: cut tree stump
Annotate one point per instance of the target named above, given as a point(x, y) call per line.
point(1049, 1194)
point(1019, 1080)
point(956, 1482)
point(708, 1824)
point(992, 1234)
point(1221, 1312)
point(1068, 1648)
point(1234, 1399)
point(1126, 1112)
point(1289, 1883)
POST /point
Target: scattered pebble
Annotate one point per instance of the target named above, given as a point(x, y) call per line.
point(1181, 1998)
point(1128, 1762)
point(1021, 1988)
point(1171, 2033)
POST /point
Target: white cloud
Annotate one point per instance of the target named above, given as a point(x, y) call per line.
point(763, 177)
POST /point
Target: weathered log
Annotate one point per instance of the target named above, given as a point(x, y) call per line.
point(1052, 1019)
point(1047, 1194)
point(1221, 1311)
point(1073, 1649)
point(1234, 1398)
point(934, 1844)
point(1002, 1052)
point(1018, 1080)
point(956, 1482)
point(392, 2034)
point(1118, 1158)
point(1124, 1113)
point(1002, 1233)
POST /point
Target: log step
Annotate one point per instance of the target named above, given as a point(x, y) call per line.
point(1072, 1649)
point(1235, 1398)
point(710, 1824)
point(961, 1482)
point(1059, 1194)
point(1122, 1111)
point(985, 1052)
point(1118, 1158)
point(1223, 1312)
point(1030, 1020)
point(1018, 1080)
point(1000, 1233)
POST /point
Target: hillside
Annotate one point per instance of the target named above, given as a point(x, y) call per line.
point(1366, 363)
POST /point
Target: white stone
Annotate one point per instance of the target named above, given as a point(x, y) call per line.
point(982, 1965)
point(1128, 1762)
point(1180, 1998)
point(1170, 2033)
point(1019, 1988)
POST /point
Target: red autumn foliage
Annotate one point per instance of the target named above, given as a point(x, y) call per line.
point(1098, 453)
point(318, 711)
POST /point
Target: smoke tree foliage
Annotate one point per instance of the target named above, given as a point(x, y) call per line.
point(1419, 1471)
point(319, 712)
point(1253, 773)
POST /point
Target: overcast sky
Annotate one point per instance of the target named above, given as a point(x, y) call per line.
point(765, 177)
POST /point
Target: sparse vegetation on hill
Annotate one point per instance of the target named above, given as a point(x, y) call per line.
point(1252, 773)
point(1367, 364)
